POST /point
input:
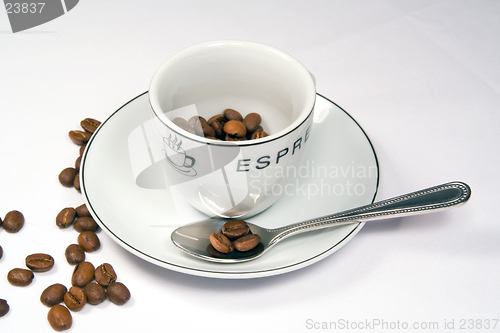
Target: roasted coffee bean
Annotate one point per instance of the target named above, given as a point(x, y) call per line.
point(95, 293)
point(1, 222)
point(1, 252)
point(83, 274)
point(82, 211)
point(183, 123)
point(78, 162)
point(67, 177)
point(13, 221)
point(66, 217)
point(20, 277)
point(75, 299)
point(79, 137)
point(258, 134)
point(105, 274)
point(234, 138)
point(90, 125)
point(231, 114)
point(118, 293)
point(76, 182)
point(39, 262)
point(82, 149)
point(85, 224)
point(59, 318)
point(247, 242)
point(252, 121)
point(235, 128)
point(53, 294)
point(89, 241)
point(74, 254)
point(217, 123)
point(221, 243)
point(201, 126)
point(196, 123)
point(235, 229)
point(4, 307)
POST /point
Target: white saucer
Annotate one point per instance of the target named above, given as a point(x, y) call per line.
point(340, 171)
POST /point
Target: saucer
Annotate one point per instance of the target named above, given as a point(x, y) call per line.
point(340, 171)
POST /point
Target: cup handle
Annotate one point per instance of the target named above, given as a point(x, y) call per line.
point(190, 164)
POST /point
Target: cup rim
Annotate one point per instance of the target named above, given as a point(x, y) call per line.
point(308, 80)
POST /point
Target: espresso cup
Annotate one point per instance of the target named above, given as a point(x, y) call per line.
point(232, 179)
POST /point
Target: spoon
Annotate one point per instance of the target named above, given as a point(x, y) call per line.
point(193, 238)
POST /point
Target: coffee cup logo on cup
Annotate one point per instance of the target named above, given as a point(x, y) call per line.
point(232, 179)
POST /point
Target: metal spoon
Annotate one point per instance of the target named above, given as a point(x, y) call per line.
point(194, 238)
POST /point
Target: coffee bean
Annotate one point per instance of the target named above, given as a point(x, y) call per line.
point(59, 318)
point(13, 221)
point(234, 138)
point(78, 162)
point(67, 177)
point(65, 217)
point(258, 134)
point(1, 222)
point(118, 293)
point(221, 243)
point(235, 128)
point(90, 125)
point(79, 137)
point(82, 149)
point(252, 121)
point(1, 252)
point(95, 293)
point(85, 224)
point(82, 211)
point(74, 254)
point(105, 274)
point(83, 274)
point(4, 307)
point(89, 241)
point(196, 123)
point(217, 123)
point(231, 114)
point(201, 126)
point(183, 124)
point(75, 299)
point(247, 242)
point(20, 277)
point(39, 262)
point(76, 182)
point(235, 229)
point(53, 294)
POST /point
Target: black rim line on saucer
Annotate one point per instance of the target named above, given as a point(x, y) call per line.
point(84, 192)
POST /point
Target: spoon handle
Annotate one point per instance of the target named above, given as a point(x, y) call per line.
point(424, 201)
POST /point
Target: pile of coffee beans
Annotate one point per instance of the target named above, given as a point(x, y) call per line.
point(88, 284)
point(84, 290)
point(228, 126)
point(70, 176)
point(235, 235)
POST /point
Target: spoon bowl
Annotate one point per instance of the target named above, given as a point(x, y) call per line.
point(193, 238)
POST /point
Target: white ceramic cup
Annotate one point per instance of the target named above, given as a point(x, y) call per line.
point(232, 178)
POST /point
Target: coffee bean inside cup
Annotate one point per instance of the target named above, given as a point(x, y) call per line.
point(228, 126)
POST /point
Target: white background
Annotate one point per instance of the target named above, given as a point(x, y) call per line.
point(421, 77)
